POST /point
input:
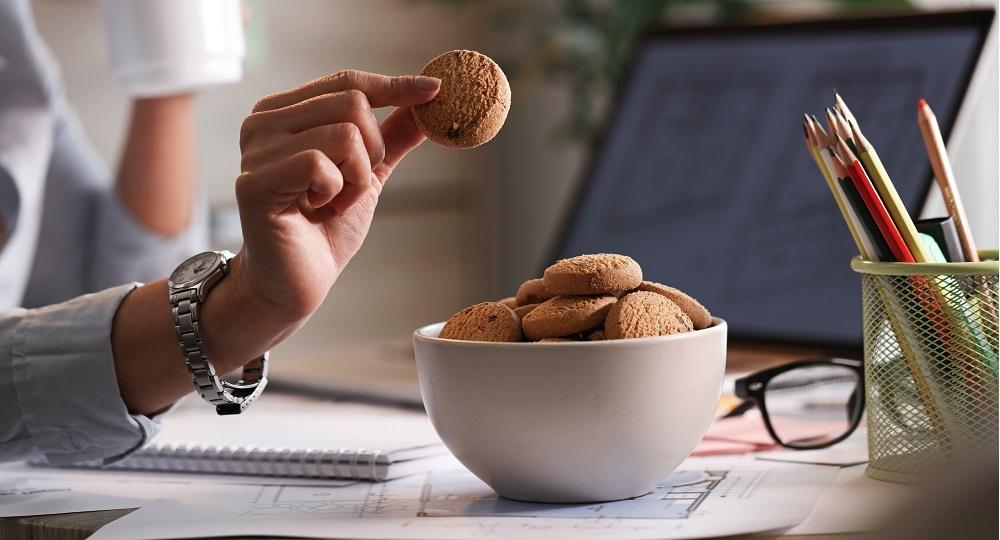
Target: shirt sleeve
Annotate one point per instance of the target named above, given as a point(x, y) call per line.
point(126, 251)
point(59, 395)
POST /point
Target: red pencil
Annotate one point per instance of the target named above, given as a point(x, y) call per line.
point(885, 224)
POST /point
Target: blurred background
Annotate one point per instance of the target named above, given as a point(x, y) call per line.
point(454, 227)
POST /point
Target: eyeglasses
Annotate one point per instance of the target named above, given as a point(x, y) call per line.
point(807, 404)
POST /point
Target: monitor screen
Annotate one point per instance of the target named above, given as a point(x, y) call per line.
point(703, 176)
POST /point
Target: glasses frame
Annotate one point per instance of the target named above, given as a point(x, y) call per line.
point(753, 387)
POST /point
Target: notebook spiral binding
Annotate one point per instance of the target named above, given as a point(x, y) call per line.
point(345, 463)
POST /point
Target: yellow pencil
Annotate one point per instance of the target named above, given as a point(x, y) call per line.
point(815, 150)
point(887, 191)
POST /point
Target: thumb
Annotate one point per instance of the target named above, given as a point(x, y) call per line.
point(401, 135)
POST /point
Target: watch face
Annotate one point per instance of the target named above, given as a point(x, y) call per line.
point(195, 268)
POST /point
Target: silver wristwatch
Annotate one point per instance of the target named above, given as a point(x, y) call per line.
point(189, 285)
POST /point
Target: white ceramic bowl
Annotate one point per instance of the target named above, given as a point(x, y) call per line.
point(575, 421)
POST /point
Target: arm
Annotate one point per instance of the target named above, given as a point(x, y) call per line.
point(158, 169)
point(314, 163)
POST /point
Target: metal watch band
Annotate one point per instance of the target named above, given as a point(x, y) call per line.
point(228, 398)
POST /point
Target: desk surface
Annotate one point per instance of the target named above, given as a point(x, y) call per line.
point(79, 525)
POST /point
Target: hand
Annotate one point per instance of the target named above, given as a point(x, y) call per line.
point(314, 163)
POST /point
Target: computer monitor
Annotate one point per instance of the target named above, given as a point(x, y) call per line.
point(704, 178)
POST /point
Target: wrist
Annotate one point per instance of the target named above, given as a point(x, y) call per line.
point(237, 326)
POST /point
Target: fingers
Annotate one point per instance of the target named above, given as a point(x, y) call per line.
point(349, 106)
point(310, 174)
point(331, 117)
point(400, 134)
point(341, 144)
point(382, 90)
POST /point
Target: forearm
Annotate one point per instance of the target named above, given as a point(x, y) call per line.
point(234, 325)
point(158, 169)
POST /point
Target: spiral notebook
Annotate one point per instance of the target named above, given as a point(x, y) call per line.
point(283, 436)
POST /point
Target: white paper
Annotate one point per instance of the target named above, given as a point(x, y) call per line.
point(28, 496)
point(32, 491)
point(854, 502)
point(742, 495)
point(849, 452)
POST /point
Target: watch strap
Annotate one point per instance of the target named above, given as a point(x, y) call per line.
point(228, 398)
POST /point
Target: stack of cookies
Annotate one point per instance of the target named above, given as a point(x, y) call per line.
point(584, 298)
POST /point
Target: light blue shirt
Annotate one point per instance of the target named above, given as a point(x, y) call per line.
point(66, 235)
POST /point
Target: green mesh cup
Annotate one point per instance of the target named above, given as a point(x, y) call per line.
point(930, 336)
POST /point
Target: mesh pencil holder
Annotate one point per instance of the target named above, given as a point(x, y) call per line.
point(930, 345)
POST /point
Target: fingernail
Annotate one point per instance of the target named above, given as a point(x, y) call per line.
point(427, 83)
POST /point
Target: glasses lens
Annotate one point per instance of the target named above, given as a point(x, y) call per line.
point(813, 405)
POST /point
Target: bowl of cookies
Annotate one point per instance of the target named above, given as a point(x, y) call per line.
point(590, 384)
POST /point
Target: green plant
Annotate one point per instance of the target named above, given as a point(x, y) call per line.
point(585, 45)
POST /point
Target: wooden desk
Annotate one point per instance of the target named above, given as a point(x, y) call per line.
point(79, 525)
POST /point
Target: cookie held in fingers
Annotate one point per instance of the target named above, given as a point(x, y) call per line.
point(472, 104)
point(565, 315)
point(488, 321)
point(700, 317)
point(645, 314)
point(532, 291)
point(593, 274)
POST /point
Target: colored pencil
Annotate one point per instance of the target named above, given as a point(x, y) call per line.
point(844, 127)
point(886, 190)
point(875, 206)
point(812, 132)
point(849, 176)
point(822, 139)
point(938, 155)
point(941, 165)
point(880, 248)
point(842, 107)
